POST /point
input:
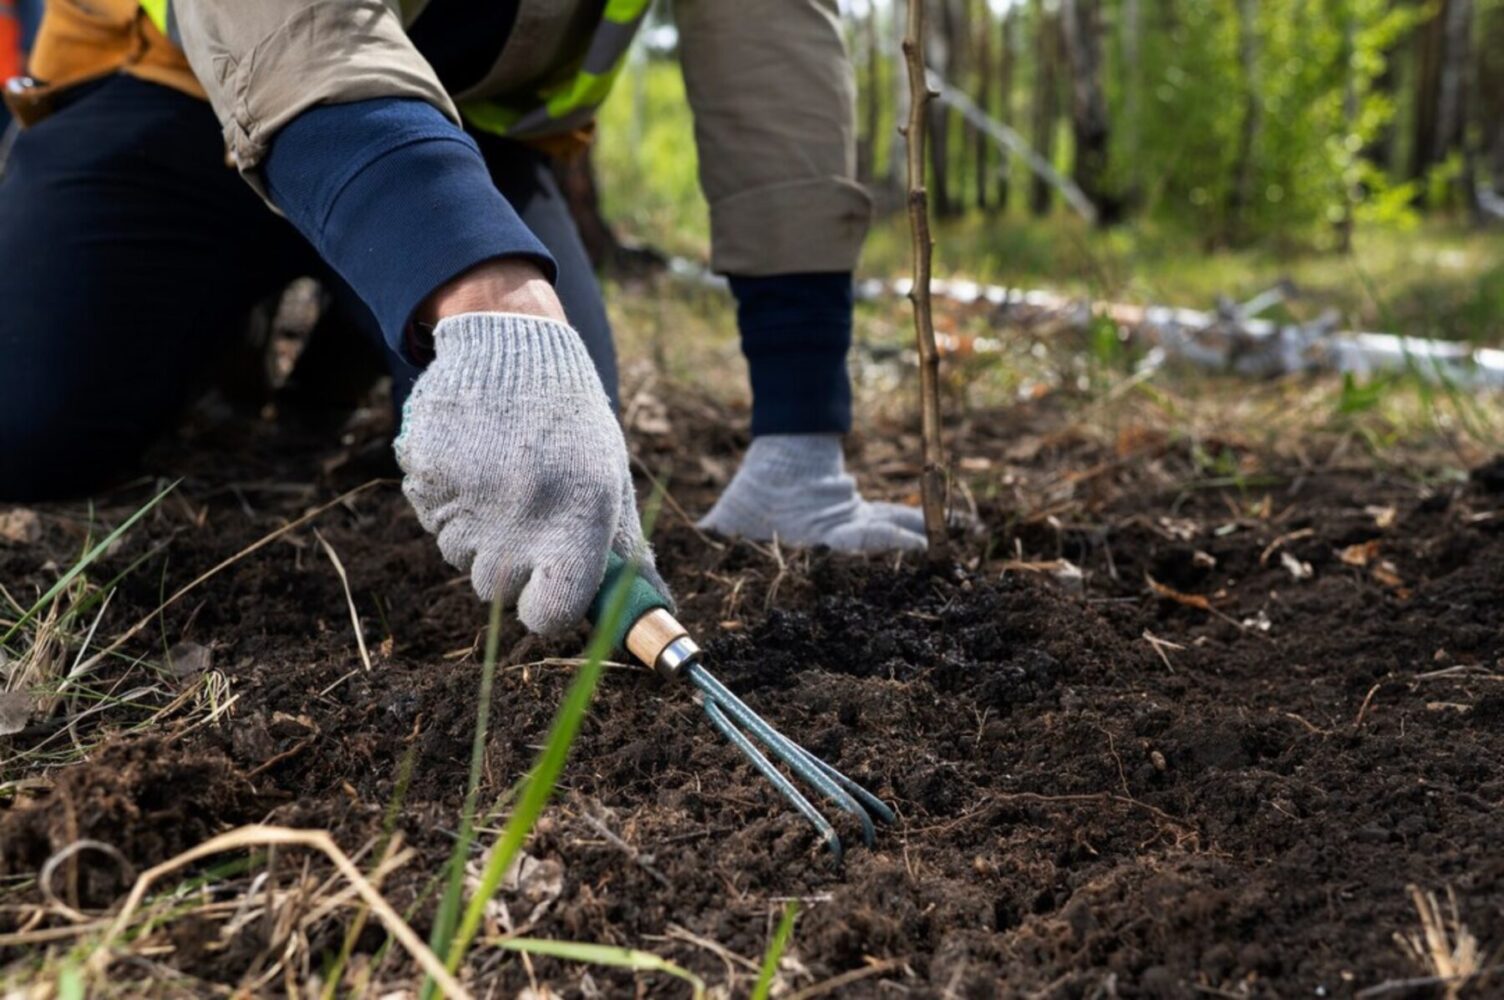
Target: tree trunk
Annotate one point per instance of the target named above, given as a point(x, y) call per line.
point(1133, 89)
point(1007, 60)
point(941, 56)
point(1081, 23)
point(866, 148)
point(1046, 102)
point(1488, 93)
point(983, 32)
point(898, 151)
point(1241, 195)
point(1349, 193)
point(1430, 46)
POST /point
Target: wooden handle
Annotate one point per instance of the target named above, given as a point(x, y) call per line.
point(651, 634)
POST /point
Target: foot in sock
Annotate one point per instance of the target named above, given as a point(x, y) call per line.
point(795, 487)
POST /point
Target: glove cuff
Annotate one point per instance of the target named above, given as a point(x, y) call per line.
point(509, 353)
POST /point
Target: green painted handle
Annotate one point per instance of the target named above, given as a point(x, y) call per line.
point(642, 597)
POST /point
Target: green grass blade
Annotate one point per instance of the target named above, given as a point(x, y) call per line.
point(85, 561)
point(454, 891)
point(336, 969)
point(540, 789)
point(775, 951)
point(603, 954)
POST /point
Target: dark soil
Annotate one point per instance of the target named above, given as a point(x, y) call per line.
point(1081, 816)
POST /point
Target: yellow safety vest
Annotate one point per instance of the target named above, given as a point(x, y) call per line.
point(560, 107)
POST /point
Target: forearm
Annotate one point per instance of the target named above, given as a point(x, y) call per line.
point(399, 201)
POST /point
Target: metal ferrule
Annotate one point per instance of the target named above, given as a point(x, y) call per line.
point(676, 656)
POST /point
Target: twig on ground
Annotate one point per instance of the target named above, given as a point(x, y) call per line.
point(1363, 709)
point(344, 581)
point(845, 979)
point(673, 505)
point(1096, 798)
point(1159, 646)
point(44, 876)
point(601, 828)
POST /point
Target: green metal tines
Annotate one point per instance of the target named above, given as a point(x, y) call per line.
point(726, 711)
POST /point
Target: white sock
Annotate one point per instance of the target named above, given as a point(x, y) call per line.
point(794, 487)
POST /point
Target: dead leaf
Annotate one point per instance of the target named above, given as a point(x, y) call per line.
point(15, 711)
point(537, 882)
point(650, 415)
point(189, 659)
point(1383, 517)
point(1386, 574)
point(530, 882)
point(1361, 554)
point(20, 526)
point(1295, 567)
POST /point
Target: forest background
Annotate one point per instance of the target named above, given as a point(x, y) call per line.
point(1214, 148)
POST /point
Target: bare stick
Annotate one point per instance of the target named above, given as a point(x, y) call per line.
point(932, 479)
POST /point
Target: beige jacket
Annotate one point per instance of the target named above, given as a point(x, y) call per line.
point(769, 83)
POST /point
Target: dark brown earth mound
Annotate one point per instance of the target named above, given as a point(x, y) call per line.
point(1211, 768)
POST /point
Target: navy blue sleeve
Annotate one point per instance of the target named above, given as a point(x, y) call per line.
point(796, 332)
point(396, 198)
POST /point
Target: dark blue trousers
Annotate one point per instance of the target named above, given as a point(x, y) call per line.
point(130, 255)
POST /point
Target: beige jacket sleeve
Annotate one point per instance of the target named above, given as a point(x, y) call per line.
point(264, 62)
point(774, 100)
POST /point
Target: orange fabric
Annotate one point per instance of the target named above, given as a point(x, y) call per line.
point(82, 39)
point(11, 60)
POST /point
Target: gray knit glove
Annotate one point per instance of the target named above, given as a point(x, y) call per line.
point(515, 461)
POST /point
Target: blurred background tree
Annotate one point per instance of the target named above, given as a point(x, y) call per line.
point(1223, 143)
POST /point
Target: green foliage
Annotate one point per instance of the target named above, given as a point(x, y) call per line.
point(1360, 397)
point(453, 942)
point(646, 151)
point(607, 955)
point(442, 935)
point(776, 948)
point(1315, 105)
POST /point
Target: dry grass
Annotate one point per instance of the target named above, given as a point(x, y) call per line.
point(1212, 428)
point(1443, 946)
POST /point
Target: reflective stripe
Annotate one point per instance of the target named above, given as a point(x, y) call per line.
point(162, 15)
point(560, 108)
point(157, 11)
point(571, 104)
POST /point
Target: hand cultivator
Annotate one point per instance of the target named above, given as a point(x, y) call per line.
point(650, 633)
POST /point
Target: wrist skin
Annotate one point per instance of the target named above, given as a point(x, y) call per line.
point(504, 285)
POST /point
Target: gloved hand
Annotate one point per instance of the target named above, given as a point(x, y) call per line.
point(795, 486)
point(514, 459)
